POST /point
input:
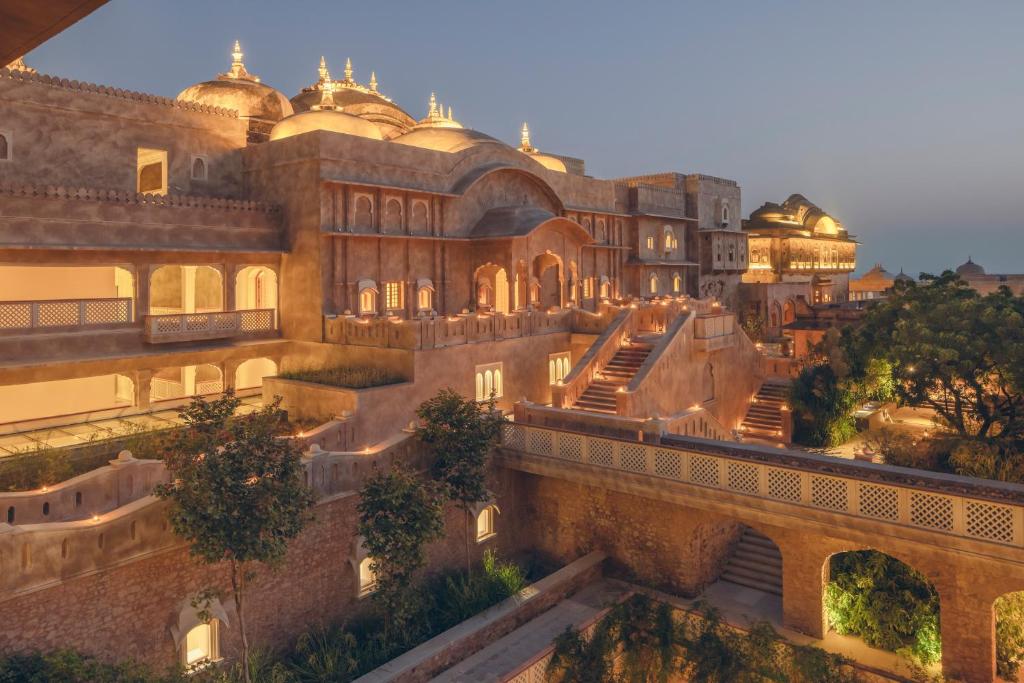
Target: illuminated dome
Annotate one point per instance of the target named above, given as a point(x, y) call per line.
point(546, 160)
point(239, 90)
point(969, 268)
point(364, 101)
point(442, 133)
point(325, 116)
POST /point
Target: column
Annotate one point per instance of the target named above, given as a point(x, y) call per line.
point(188, 289)
point(143, 380)
point(968, 634)
point(188, 380)
point(228, 370)
point(804, 575)
point(230, 278)
point(142, 290)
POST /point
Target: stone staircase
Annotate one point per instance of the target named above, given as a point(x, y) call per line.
point(764, 416)
point(755, 563)
point(600, 394)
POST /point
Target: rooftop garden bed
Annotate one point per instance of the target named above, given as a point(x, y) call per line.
point(345, 377)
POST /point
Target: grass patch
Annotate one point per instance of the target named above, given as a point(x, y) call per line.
point(346, 377)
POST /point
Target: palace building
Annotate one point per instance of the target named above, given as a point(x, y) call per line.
point(156, 249)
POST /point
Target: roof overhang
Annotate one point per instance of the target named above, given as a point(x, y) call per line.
point(27, 24)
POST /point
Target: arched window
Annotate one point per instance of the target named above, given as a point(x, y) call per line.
point(485, 524)
point(423, 299)
point(606, 288)
point(367, 577)
point(669, 239)
point(363, 213)
point(677, 283)
point(725, 215)
point(558, 366)
point(367, 297)
point(709, 383)
point(602, 232)
point(200, 645)
point(5, 147)
point(393, 216)
point(198, 168)
point(653, 283)
point(489, 381)
point(418, 224)
point(650, 241)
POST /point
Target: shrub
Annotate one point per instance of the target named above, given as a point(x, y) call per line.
point(885, 602)
point(1010, 635)
point(822, 408)
point(347, 377)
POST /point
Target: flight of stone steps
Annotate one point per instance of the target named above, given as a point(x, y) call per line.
point(600, 395)
point(755, 563)
point(764, 416)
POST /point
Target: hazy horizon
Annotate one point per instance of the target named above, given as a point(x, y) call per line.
point(903, 120)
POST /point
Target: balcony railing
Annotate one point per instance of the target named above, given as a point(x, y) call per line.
point(180, 327)
point(63, 314)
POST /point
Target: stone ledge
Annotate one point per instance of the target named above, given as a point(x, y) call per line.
point(446, 649)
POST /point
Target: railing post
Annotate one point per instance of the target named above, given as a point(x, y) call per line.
point(34, 314)
point(81, 312)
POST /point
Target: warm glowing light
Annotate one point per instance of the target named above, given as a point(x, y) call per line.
point(95, 518)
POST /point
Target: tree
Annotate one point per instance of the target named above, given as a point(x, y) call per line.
point(822, 407)
point(952, 350)
point(460, 433)
point(399, 514)
point(237, 491)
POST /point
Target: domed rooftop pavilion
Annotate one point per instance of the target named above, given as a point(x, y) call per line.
point(442, 133)
point(364, 101)
point(546, 160)
point(240, 90)
point(328, 116)
point(969, 268)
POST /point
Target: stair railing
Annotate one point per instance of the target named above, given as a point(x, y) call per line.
point(641, 397)
point(565, 393)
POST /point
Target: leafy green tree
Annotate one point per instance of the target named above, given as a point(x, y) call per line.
point(460, 433)
point(399, 514)
point(1010, 635)
point(951, 349)
point(237, 491)
point(822, 406)
point(888, 604)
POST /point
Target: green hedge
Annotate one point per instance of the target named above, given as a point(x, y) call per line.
point(346, 377)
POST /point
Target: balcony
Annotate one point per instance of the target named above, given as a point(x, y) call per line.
point(714, 332)
point(186, 327)
point(58, 315)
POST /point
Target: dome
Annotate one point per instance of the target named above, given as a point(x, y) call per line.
point(446, 139)
point(969, 268)
point(332, 120)
point(364, 101)
point(546, 160)
point(903, 277)
point(239, 90)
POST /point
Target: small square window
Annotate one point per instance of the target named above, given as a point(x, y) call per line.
point(6, 145)
point(151, 171)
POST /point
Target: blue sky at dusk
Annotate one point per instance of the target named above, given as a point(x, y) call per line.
point(905, 119)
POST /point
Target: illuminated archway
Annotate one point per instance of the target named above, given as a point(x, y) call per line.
point(250, 374)
point(185, 289)
point(547, 269)
point(256, 287)
point(191, 380)
point(491, 288)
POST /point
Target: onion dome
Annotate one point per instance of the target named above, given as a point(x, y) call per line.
point(546, 160)
point(969, 268)
point(242, 91)
point(364, 101)
point(326, 116)
point(903, 277)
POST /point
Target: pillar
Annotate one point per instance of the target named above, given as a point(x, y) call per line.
point(230, 277)
point(228, 369)
point(142, 290)
point(188, 380)
point(188, 290)
point(143, 380)
point(968, 634)
point(804, 575)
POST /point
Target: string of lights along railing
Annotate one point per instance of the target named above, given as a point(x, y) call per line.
point(953, 514)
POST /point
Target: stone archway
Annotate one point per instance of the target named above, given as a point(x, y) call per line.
point(547, 268)
point(491, 290)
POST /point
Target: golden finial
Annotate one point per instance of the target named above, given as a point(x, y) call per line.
point(237, 67)
point(348, 70)
point(450, 114)
point(19, 65)
point(325, 75)
point(524, 140)
point(326, 96)
point(432, 111)
point(373, 81)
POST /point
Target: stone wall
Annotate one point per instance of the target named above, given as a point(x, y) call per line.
point(127, 611)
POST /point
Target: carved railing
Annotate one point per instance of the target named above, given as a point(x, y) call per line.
point(435, 332)
point(978, 509)
point(220, 325)
point(64, 314)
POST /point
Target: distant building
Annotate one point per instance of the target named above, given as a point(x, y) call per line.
point(796, 251)
point(975, 276)
point(877, 283)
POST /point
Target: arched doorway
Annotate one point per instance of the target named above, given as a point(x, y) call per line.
point(185, 289)
point(1008, 612)
point(191, 380)
point(547, 268)
point(788, 312)
point(255, 287)
point(885, 602)
point(250, 374)
point(491, 287)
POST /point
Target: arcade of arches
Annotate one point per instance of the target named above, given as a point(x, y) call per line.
point(682, 549)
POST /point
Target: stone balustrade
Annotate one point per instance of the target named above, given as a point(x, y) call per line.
point(698, 422)
point(63, 314)
point(179, 327)
point(957, 506)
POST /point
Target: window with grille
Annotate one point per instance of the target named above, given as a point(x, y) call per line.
point(393, 295)
point(489, 381)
